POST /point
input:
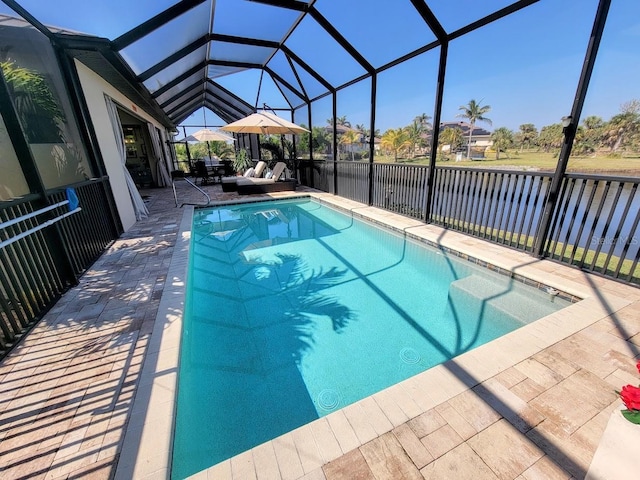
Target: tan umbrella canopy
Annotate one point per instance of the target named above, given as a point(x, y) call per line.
point(264, 123)
point(206, 135)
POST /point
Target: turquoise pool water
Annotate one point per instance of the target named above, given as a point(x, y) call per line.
point(294, 310)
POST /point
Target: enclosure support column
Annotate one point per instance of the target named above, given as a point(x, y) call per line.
point(374, 86)
point(310, 179)
point(335, 143)
point(435, 131)
point(570, 125)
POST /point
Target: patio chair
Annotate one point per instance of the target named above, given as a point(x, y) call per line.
point(202, 173)
point(229, 184)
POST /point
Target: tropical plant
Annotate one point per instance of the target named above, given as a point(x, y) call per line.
point(474, 112)
point(242, 160)
point(222, 150)
point(348, 138)
point(423, 121)
point(395, 140)
point(41, 117)
point(527, 135)
point(622, 130)
point(585, 142)
point(593, 122)
point(502, 139)
point(273, 149)
point(550, 137)
point(36, 105)
point(339, 121)
point(415, 133)
point(452, 137)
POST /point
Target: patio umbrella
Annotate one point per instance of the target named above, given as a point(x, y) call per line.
point(264, 123)
point(206, 135)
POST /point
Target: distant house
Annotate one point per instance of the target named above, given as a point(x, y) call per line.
point(480, 138)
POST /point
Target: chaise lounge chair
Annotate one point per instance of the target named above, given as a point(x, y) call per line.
point(275, 182)
point(229, 184)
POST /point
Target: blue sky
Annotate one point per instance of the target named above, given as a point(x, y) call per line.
point(525, 66)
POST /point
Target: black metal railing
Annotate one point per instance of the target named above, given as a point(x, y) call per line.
point(400, 188)
point(499, 206)
point(594, 224)
point(39, 263)
point(353, 180)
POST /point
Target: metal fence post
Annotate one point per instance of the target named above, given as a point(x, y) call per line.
point(570, 126)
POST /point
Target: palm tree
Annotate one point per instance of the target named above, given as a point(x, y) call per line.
point(528, 133)
point(340, 121)
point(624, 127)
point(450, 136)
point(349, 138)
point(502, 139)
point(423, 120)
point(550, 137)
point(593, 122)
point(395, 140)
point(475, 113)
point(414, 134)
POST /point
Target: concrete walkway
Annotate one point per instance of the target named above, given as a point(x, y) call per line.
point(66, 393)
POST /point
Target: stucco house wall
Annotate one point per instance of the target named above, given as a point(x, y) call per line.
point(95, 87)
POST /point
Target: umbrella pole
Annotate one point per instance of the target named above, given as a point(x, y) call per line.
point(208, 149)
point(186, 145)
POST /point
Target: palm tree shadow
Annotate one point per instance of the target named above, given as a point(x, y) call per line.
point(243, 362)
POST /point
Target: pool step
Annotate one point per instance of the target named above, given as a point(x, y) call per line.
point(485, 297)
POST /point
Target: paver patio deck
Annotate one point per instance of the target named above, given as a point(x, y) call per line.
point(67, 391)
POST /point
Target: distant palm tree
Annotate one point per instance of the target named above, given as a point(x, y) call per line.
point(593, 122)
point(475, 113)
point(550, 137)
point(349, 138)
point(340, 121)
point(450, 136)
point(423, 120)
point(527, 133)
point(502, 139)
point(395, 140)
point(414, 134)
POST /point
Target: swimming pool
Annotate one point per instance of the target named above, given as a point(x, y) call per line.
point(295, 310)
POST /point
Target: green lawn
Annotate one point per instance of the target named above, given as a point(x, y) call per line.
point(540, 161)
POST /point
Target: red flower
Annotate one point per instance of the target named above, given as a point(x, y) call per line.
point(630, 395)
point(638, 366)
